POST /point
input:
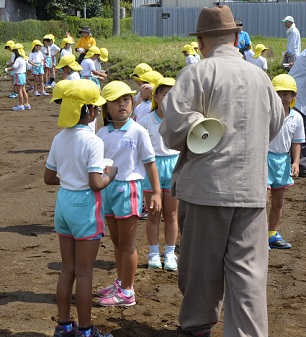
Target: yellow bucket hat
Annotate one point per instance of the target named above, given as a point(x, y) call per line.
point(140, 69)
point(65, 41)
point(258, 49)
point(103, 54)
point(20, 49)
point(74, 95)
point(58, 90)
point(10, 44)
point(285, 82)
point(69, 60)
point(186, 47)
point(47, 37)
point(52, 37)
point(168, 81)
point(194, 44)
point(35, 43)
point(151, 77)
point(92, 51)
point(115, 89)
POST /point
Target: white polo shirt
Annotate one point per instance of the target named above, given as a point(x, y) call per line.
point(292, 131)
point(260, 62)
point(88, 66)
point(151, 122)
point(54, 49)
point(74, 75)
point(20, 65)
point(74, 153)
point(142, 110)
point(129, 147)
point(36, 57)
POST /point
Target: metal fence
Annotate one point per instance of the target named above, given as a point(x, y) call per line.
point(259, 19)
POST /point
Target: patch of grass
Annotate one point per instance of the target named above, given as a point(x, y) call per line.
point(162, 54)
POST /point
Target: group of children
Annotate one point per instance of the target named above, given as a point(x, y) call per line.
point(38, 69)
point(142, 165)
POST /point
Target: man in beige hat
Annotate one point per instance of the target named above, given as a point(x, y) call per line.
point(222, 191)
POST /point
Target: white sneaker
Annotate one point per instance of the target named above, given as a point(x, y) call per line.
point(53, 84)
point(36, 93)
point(43, 93)
point(27, 107)
point(170, 262)
point(154, 261)
point(18, 107)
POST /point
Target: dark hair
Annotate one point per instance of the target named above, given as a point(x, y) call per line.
point(16, 52)
point(161, 88)
point(84, 110)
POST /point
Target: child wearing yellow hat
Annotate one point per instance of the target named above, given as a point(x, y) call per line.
point(165, 161)
point(258, 58)
point(128, 145)
point(78, 217)
point(189, 53)
point(66, 49)
point(89, 70)
point(70, 67)
point(19, 77)
point(195, 46)
point(280, 170)
point(10, 46)
point(36, 59)
point(98, 64)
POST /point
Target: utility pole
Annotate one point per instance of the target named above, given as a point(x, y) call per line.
point(116, 17)
point(85, 10)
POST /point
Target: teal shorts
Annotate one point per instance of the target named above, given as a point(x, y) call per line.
point(20, 79)
point(279, 171)
point(165, 166)
point(38, 70)
point(122, 199)
point(78, 214)
point(48, 62)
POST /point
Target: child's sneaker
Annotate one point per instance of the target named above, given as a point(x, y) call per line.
point(31, 89)
point(18, 107)
point(170, 262)
point(154, 261)
point(117, 299)
point(13, 95)
point(27, 107)
point(36, 93)
point(43, 93)
point(53, 84)
point(109, 289)
point(60, 332)
point(94, 333)
point(277, 241)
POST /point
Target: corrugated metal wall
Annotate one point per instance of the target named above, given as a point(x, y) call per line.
point(258, 18)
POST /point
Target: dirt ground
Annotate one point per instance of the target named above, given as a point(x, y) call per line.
point(30, 261)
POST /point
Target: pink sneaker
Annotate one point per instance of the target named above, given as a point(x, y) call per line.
point(117, 299)
point(109, 289)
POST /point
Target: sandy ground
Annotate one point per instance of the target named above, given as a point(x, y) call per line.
point(30, 261)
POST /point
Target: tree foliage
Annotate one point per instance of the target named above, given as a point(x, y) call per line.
point(59, 9)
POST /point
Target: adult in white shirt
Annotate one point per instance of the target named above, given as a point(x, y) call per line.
point(294, 40)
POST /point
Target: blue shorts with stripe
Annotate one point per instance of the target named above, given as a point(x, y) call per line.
point(48, 62)
point(122, 199)
point(94, 79)
point(20, 79)
point(279, 171)
point(79, 214)
point(38, 70)
point(165, 166)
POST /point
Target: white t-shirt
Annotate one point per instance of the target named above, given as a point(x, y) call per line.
point(36, 57)
point(190, 59)
point(88, 66)
point(260, 62)
point(54, 49)
point(44, 50)
point(74, 75)
point(66, 52)
point(74, 153)
point(292, 131)
point(129, 147)
point(151, 122)
point(20, 65)
point(142, 110)
point(248, 54)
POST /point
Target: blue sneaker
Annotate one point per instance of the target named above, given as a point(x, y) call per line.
point(60, 332)
point(13, 95)
point(277, 241)
point(94, 333)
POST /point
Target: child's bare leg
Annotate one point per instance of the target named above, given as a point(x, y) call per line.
point(277, 201)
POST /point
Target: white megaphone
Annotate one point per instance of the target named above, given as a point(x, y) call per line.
point(204, 135)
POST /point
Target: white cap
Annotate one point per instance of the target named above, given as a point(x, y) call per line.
point(288, 18)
